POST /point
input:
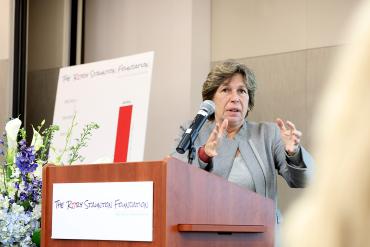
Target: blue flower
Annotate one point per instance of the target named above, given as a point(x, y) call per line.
point(25, 159)
point(23, 196)
point(16, 227)
point(34, 190)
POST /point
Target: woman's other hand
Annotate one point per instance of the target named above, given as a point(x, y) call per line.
point(290, 135)
point(210, 147)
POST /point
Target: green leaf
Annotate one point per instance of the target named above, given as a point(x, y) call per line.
point(36, 236)
point(9, 172)
point(26, 205)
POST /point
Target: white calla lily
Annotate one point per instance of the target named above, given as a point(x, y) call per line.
point(11, 129)
point(37, 142)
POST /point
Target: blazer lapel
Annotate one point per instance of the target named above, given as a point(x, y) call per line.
point(252, 159)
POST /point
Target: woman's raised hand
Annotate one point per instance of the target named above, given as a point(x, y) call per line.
point(290, 136)
point(210, 147)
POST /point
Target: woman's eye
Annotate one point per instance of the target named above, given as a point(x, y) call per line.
point(243, 91)
point(224, 90)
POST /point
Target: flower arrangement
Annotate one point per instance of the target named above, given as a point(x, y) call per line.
point(20, 178)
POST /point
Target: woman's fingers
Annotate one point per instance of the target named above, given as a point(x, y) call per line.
point(297, 133)
point(280, 124)
point(214, 139)
point(214, 133)
point(290, 135)
point(223, 128)
point(288, 128)
point(291, 126)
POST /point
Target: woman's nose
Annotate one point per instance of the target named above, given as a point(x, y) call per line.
point(235, 96)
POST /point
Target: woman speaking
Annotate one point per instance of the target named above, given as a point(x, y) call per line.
point(246, 153)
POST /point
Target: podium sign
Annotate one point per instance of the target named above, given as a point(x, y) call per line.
point(103, 211)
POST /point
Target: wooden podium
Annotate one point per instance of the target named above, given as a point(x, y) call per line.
point(192, 207)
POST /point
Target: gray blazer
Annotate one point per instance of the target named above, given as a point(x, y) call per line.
point(262, 148)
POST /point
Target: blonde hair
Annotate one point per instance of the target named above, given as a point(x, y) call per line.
point(335, 210)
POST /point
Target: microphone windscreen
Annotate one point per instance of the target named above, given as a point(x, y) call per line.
point(208, 106)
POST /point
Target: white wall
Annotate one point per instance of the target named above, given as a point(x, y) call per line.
point(248, 28)
point(178, 31)
point(4, 28)
point(5, 39)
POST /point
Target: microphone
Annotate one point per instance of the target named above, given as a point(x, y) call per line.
point(206, 108)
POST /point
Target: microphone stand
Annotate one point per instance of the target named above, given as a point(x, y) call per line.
point(191, 152)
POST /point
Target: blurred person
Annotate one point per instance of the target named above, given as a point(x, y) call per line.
point(335, 210)
point(246, 153)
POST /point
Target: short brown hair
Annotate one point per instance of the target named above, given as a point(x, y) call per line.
point(224, 71)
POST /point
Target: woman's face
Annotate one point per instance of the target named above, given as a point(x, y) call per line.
point(231, 100)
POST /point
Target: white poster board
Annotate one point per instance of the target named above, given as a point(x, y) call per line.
point(103, 211)
point(96, 92)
